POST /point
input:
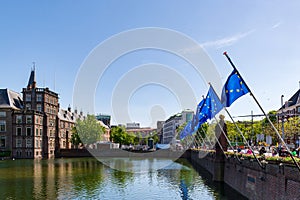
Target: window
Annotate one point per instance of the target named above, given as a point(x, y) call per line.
point(29, 153)
point(19, 119)
point(298, 109)
point(28, 106)
point(36, 131)
point(50, 133)
point(19, 143)
point(41, 120)
point(36, 143)
point(28, 131)
point(62, 134)
point(38, 97)
point(28, 119)
point(2, 114)
point(28, 97)
point(19, 153)
point(51, 122)
point(19, 131)
point(41, 130)
point(2, 141)
point(2, 125)
point(28, 143)
point(39, 107)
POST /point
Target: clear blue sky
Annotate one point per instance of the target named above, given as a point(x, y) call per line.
point(262, 38)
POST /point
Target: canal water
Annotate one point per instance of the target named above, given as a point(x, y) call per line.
point(87, 178)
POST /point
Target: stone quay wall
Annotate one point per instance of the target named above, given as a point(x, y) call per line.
point(118, 153)
point(276, 181)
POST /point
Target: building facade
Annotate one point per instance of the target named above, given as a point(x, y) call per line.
point(32, 125)
point(291, 109)
point(169, 127)
point(132, 125)
point(104, 118)
point(66, 120)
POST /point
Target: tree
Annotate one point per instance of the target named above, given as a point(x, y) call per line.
point(75, 139)
point(118, 135)
point(154, 136)
point(89, 130)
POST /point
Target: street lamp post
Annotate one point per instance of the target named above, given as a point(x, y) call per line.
point(282, 117)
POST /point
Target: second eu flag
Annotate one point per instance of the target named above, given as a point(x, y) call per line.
point(233, 89)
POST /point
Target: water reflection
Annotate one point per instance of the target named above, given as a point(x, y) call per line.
point(87, 178)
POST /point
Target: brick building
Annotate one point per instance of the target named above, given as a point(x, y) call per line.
point(32, 125)
point(66, 120)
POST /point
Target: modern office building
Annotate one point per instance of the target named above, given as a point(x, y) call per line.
point(160, 125)
point(132, 125)
point(169, 127)
point(104, 118)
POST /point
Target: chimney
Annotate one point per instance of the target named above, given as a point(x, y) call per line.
point(69, 108)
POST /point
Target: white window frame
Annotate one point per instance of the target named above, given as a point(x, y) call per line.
point(2, 124)
point(19, 119)
point(2, 114)
point(39, 107)
point(3, 137)
point(28, 97)
point(28, 119)
point(39, 97)
point(28, 143)
point(19, 143)
point(17, 131)
point(27, 131)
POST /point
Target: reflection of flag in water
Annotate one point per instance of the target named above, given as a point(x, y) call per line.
point(211, 106)
point(184, 191)
point(233, 89)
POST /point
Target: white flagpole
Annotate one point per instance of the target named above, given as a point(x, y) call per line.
point(260, 107)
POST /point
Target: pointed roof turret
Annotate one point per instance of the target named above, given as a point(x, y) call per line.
point(31, 82)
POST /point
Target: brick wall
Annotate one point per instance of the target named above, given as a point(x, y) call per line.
point(276, 181)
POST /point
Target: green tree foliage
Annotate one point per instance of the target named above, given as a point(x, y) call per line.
point(119, 135)
point(75, 139)
point(202, 130)
point(154, 137)
point(89, 130)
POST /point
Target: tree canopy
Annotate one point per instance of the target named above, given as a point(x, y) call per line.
point(89, 129)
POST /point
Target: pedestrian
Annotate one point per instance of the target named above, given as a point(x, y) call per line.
point(294, 153)
point(262, 151)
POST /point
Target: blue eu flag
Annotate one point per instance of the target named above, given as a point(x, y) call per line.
point(187, 130)
point(233, 89)
point(211, 106)
point(195, 122)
